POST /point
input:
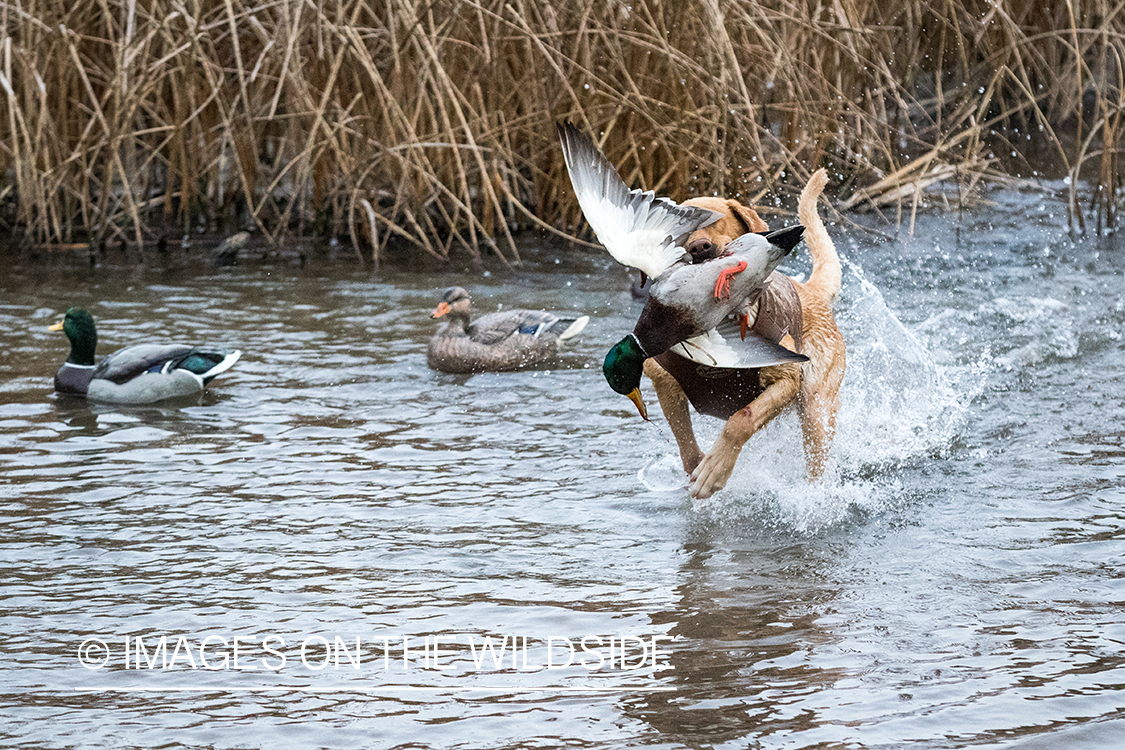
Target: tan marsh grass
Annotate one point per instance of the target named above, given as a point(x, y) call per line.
point(431, 122)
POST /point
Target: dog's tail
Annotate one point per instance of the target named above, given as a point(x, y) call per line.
point(825, 277)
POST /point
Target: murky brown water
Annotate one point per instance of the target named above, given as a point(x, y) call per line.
point(957, 582)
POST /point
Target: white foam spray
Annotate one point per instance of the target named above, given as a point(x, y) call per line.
point(900, 402)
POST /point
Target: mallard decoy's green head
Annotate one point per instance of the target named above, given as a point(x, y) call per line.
point(78, 325)
point(622, 369)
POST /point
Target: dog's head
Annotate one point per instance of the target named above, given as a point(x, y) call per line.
point(711, 241)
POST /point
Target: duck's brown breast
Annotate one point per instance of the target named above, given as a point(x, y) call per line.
point(73, 379)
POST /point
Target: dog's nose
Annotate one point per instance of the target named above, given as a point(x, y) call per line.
point(701, 249)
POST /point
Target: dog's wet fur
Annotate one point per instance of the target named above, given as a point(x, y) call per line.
point(813, 386)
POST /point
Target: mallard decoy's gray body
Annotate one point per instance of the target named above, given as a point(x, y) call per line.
point(138, 374)
point(496, 342)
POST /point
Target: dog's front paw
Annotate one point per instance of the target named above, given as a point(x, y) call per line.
point(712, 473)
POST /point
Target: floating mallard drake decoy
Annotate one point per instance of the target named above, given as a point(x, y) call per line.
point(700, 311)
point(138, 374)
point(499, 341)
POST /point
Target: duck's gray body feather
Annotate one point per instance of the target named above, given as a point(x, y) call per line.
point(130, 362)
point(146, 388)
point(683, 305)
point(146, 373)
point(500, 341)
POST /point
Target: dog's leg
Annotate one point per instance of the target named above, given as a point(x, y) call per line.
point(817, 405)
point(674, 404)
point(818, 426)
point(714, 470)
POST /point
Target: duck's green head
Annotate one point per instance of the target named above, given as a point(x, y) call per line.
point(622, 369)
point(78, 325)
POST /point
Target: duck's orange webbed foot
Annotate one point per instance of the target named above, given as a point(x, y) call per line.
point(722, 284)
point(744, 324)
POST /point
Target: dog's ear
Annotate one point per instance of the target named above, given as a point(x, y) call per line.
point(747, 216)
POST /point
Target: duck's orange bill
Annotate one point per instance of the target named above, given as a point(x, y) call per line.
point(440, 310)
point(56, 327)
point(635, 397)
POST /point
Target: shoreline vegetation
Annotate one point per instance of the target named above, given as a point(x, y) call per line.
point(431, 123)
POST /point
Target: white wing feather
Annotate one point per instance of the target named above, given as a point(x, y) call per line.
point(715, 349)
point(709, 349)
point(637, 228)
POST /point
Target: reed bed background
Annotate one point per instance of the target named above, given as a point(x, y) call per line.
point(431, 122)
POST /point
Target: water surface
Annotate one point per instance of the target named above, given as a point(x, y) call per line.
point(957, 581)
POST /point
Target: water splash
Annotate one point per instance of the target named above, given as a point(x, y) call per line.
point(897, 405)
point(1038, 329)
point(664, 473)
point(902, 397)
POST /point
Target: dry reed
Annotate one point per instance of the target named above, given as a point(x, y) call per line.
point(431, 121)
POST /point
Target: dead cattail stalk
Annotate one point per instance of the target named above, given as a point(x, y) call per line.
point(121, 117)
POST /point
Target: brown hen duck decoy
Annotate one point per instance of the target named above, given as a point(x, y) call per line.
point(496, 342)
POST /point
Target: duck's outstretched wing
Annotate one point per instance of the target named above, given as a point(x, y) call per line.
point(637, 228)
point(724, 346)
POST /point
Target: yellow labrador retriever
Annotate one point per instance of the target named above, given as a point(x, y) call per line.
point(796, 315)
